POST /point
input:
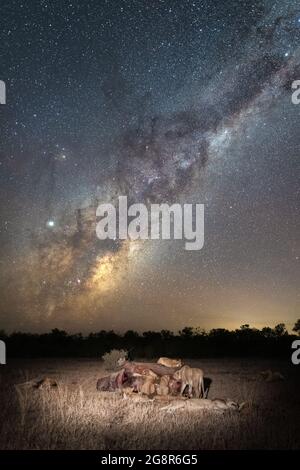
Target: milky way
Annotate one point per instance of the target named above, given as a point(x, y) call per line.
point(163, 102)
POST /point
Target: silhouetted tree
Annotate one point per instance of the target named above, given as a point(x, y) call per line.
point(297, 327)
point(58, 334)
point(267, 332)
point(186, 332)
point(2, 334)
point(152, 335)
point(280, 329)
point(167, 334)
point(188, 343)
point(131, 336)
point(245, 327)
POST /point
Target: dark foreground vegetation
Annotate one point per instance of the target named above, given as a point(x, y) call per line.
point(191, 342)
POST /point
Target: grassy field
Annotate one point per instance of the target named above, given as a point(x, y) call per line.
point(76, 416)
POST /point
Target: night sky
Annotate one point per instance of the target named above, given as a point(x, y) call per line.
point(162, 101)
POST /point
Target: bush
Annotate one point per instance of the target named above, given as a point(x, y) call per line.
point(112, 358)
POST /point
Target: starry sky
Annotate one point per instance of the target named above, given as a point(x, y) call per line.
point(168, 101)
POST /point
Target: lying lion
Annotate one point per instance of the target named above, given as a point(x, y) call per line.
point(270, 376)
point(166, 361)
point(194, 404)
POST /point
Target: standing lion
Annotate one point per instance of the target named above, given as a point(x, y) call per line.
point(194, 378)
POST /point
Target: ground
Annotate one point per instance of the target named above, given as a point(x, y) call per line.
point(76, 416)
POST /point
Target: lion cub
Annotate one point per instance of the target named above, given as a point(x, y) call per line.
point(193, 377)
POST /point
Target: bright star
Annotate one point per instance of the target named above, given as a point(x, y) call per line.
point(50, 223)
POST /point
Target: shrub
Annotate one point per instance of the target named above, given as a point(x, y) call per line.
point(112, 357)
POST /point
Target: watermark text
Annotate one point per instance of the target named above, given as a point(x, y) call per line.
point(2, 92)
point(2, 352)
point(296, 354)
point(161, 222)
point(296, 93)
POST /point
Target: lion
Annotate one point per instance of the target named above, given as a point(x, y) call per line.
point(193, 377)
point(193, 404)
point(128, 393)
point(270, 376)
point(165, 361)
point(46, 384)
point(148, 388)
point(163, 387)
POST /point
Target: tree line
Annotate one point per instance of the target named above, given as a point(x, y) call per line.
point(188, 342)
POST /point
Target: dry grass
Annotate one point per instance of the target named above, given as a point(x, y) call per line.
point(76, 416)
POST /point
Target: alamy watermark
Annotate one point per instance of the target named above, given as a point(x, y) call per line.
point(296, 93)
point(2, 352)
point(296, 354)
point(161, 222)
point(2, 92)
